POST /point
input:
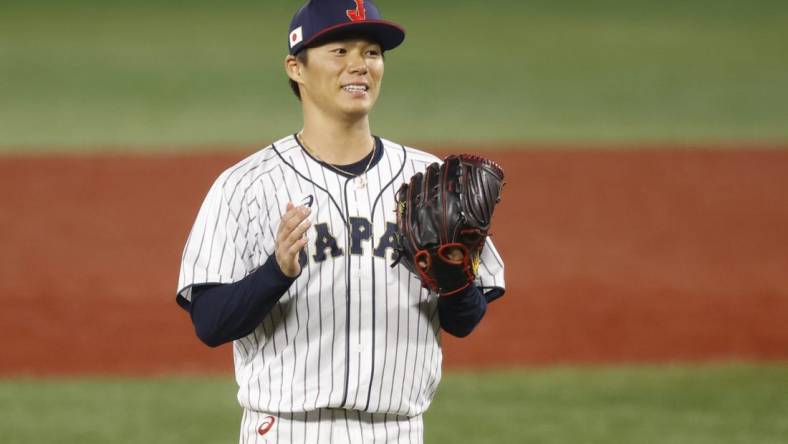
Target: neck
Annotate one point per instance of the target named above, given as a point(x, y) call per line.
point(337, 142)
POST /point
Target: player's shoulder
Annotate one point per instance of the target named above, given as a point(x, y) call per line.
point(409, 153)
point(255, 165)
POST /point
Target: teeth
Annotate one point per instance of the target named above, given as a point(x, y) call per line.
point(355, 88)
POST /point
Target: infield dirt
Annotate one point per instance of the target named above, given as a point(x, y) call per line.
point(612, 256)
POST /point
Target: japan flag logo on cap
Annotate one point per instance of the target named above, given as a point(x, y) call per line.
point(296, 36)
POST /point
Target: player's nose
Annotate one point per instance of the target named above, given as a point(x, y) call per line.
point(357, 64)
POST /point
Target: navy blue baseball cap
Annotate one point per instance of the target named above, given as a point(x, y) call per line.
point(320, 20)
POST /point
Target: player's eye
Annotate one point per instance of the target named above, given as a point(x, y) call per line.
point(373, 53)
point(339, 51)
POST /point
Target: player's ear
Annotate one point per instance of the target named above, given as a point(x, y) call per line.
point(293, 68)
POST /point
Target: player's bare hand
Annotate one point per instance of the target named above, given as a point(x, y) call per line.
point(291, 238)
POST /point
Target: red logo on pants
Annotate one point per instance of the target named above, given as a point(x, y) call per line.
point(359, 14)
point(268, 422)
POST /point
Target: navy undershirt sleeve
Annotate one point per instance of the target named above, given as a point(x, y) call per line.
point(461, 313)
point(224, 312)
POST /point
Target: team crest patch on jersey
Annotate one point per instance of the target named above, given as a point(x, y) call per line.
point(296, 36)
point(359, 14)
point(266, 425)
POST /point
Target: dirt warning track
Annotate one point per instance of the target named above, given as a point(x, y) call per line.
point(612, 256)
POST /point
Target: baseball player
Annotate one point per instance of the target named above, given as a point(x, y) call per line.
point(290, 257)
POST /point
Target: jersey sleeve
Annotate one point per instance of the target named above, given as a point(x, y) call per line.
point(217, 249)
point(490, 273)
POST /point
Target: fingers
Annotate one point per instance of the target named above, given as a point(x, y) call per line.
point(292, 252)
point(291, 238)
point(291, 219)
point(298, 232)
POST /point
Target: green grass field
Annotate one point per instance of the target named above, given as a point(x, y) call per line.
point(94, 73)
point(714, 404)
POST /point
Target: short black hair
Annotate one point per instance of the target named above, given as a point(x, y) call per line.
point(301, 56)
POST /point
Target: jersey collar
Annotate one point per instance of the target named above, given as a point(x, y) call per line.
point(353, 169)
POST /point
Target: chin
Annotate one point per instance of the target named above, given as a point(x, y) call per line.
point(357, 109)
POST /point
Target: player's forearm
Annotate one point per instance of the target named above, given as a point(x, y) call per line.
point(461, 313)
point(223, 313)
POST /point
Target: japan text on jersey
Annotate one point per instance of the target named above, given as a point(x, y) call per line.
point(351, 332)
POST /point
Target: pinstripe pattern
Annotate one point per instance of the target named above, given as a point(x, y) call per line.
point(331, 426)
point(351, 333)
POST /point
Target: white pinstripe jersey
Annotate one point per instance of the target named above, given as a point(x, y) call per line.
point(351, 332)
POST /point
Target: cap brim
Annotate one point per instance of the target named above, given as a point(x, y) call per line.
point(388, 34)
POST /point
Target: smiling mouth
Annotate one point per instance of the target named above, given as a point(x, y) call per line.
point(355, 88)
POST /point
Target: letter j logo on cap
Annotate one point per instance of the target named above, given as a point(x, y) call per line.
point(296, 36)
point(359, 14)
